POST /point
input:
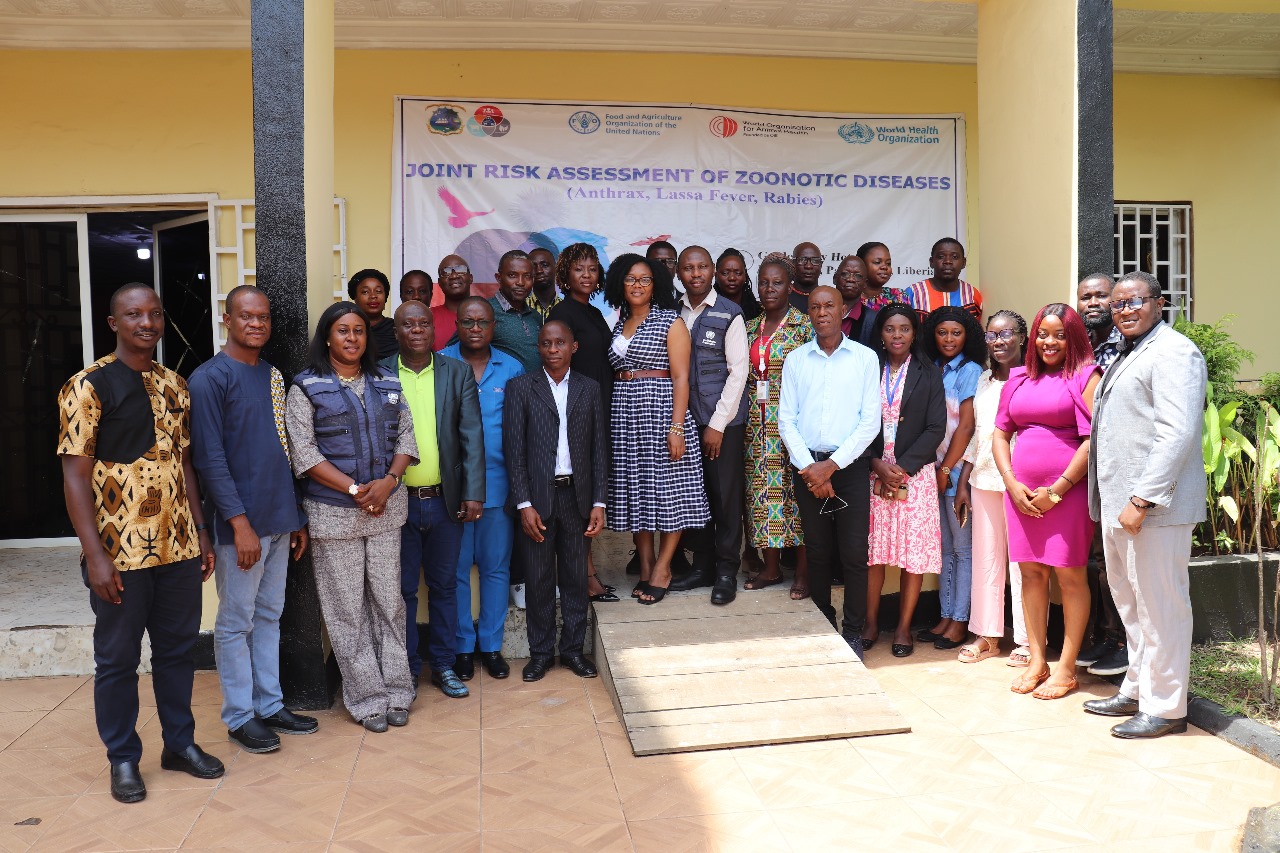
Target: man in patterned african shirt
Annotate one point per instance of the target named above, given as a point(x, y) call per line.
point(134, 501)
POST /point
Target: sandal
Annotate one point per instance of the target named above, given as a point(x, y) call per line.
point(640, 588)
point(1056, 691)
point(799, 592)
point(979, 649)
point(758, 582)
point(655, 593)
point(1021, 656)
point(1026, 682)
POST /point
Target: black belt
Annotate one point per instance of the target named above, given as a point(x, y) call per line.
point(819, 455)
point(566, 480)
point(423, 492)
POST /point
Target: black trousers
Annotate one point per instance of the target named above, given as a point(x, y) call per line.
point(163, 601)
point(560, 559)
point(725, 480)
point(839, 538)
point(1104, 619)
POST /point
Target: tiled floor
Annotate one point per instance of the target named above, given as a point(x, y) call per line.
point(547, 767)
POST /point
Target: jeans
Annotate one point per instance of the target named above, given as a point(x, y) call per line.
point(956, 581)
point(164, 601)
point(429, 545)
point(246, 632)
point(487, 544)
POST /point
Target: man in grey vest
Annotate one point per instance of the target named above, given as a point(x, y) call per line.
point(718, 367)
point(1146, 490)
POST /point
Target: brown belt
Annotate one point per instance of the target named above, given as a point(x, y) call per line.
point(628, 375)
point(422, 492)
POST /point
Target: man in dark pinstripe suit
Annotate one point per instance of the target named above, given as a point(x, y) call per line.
point(553, 430)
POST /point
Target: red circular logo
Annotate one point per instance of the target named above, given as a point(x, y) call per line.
point(723, 127)
point(488, 112)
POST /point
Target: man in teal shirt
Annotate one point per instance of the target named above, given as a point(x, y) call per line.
point(516, 325)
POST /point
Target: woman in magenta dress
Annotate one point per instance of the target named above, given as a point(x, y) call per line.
point(1048, 404)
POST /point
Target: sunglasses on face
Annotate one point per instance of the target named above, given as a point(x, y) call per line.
point(472, 323)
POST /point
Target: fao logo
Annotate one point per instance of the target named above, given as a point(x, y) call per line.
point(723, 127)
point(584, 121)
point(856, 132)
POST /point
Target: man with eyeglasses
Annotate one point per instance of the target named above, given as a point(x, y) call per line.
point(454, 276)
point(446, 488)
point(1107, 654)
point(1146, 489)
point(516, 325)
point(486, 542)
point(664, 253)
point(808, 262)
point(828, 415)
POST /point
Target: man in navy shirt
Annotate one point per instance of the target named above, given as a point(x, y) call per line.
point(237, 404)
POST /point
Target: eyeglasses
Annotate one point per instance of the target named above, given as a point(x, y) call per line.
point(645, 280)
point(1133, 303)
point(809, 261)
point(1002, 335)
point(455, 271)
point(472, 323)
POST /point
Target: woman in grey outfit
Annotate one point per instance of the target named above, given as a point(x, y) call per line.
point(351, 434)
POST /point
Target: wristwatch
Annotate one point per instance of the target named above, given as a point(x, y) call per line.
point(946, 471)
point(399, 479)
point(1054, 497)
point(353, 490)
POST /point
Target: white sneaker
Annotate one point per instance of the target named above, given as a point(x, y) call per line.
point(517, 595)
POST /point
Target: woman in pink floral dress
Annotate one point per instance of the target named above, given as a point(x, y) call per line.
point(905, 528)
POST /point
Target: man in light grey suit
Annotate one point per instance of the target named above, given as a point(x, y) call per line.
point(1147, 490)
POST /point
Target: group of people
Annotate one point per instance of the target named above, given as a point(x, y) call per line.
point(841, 428)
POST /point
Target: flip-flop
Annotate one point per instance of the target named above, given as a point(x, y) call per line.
point(1021, 656)
point(758, 582)
point(1026, 682)
point(1056, 691)
point(979, 649)
point(799, 593)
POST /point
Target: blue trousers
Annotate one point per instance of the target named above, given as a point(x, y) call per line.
point(955, 584)
point(429, 543)
point(487, 544)
point(164, 601)
point(246, 632)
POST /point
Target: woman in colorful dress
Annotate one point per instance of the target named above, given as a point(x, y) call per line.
point(879, 270)
point(772, 514)
point(905, 530)
point(1048, 405)
point(655, 479)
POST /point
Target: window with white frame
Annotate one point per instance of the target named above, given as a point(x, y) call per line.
point(1155, 237)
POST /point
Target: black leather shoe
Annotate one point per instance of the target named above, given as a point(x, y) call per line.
point(397, 716)
point(537, 667)
point(464, 666)
point(1118, 705)
point(902, 650)
point(254, 736)
point(286, 722)
point(1146, 726)
point(126, 782)
point(855, 644)
point(692, 580)
point(193, 760)
point(725, 589)
point(580, 664)
point(495, 664)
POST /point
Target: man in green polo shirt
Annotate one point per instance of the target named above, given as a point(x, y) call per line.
point(516, 325)
point(441, 393)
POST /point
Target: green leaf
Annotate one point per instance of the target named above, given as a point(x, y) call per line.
point(1228, 505)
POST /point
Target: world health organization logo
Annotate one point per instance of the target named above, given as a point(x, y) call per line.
point(584, 121)
point(856, 132)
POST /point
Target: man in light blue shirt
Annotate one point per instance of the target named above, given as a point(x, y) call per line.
point(828, 414)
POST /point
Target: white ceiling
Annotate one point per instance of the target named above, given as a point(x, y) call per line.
point(1197, 42)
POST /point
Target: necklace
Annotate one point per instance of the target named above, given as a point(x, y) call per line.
point(349, 380)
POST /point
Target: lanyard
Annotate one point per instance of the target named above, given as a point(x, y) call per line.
point(891, 392)
point(764, 349)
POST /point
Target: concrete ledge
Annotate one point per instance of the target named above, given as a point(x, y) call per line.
point(1257, 739)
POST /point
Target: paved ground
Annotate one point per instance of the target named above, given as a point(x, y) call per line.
point(547, 767)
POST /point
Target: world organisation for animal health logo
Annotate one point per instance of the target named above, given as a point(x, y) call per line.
point(444, 119)
point(856, 132)
point(723, 127)
point(488, 120)
point(584, 121)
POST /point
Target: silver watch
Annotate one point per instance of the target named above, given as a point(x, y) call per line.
point(353, 490)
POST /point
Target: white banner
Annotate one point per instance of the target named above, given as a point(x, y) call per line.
point(478, 178)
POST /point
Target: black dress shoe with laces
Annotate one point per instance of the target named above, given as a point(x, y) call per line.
point(1142, 726)
point(537, 667)
point(126, 782)
point(495, 664)
point(286, 722)
point(193, 760)
point(1118, 705)
point(580, 664)
point(692, 580)
point(254, 736)
point(464, 666)
point(725, 589)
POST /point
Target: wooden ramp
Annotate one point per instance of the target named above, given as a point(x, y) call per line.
point(686, 675)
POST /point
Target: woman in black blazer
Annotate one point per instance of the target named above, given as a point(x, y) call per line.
point(905, 529)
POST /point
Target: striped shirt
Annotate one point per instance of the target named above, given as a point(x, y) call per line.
point(923, 297)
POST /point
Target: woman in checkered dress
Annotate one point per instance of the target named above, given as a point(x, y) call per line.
point(655, 483)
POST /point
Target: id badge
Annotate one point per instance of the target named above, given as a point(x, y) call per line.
point(890, 432)
point(762, 390)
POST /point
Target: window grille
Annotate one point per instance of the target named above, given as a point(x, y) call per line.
point(1155, 237)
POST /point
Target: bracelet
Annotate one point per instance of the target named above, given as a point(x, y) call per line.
point(1068, 479)
point(676, 429)
point(201, 526)
point(1134, 500)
